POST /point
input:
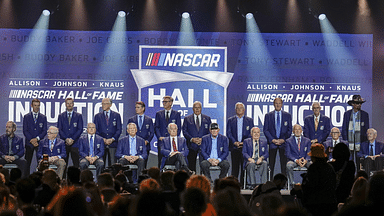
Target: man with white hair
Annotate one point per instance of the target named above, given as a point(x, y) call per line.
point(316, 126)
point(371, 152)
point(330, 144)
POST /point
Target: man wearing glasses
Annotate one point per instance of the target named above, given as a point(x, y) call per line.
point(316, 126)
point(330, 144)
point(162, 120)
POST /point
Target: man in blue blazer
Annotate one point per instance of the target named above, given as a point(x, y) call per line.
point(214, 152)
point(255, 154)
point(91, 148)
point(317, 126)
point(131, 150)
point(108, 125)
point(144, 124)
point(371, 152)
point(277, 128)
point(12, 153)
point(195, 126)
point(238, 129)
point(34, 130)
point(162, 120)
point(54, 147)
point(70, 124)
point(297, 149)
point(331, 143)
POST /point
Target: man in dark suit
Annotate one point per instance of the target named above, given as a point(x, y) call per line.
point(12, 148)
point(162, 120)
point(54, 147)
point(255, 153)
point(195, 126)
point(131, 150)
point(277, 128)
point(297, 149)
point(70, 124)
point(214, 152)
point(34, 130)
point(317, 126)
point(238, 129)
point(108, 125)
point(91, 148)
point(144, 124)
point(355, 123)
point(331, 143)
point(174, 150)
point(372, 152)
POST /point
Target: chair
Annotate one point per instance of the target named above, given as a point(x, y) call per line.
point(296, 169)
point(9, 166)
point(257, 168)
point(168, 167)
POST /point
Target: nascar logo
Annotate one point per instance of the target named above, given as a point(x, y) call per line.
point(181, 59)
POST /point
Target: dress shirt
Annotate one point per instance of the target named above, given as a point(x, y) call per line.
point(255, 154)
point(298, 142)
point(354, 119)
point(91, 147)
point(214, 150)
point(169, 113)
point(240, 128)
point(140, 121)
point(171, 139)
point(195, 117)
point(333, 142)
point(373, 147)
point(278, 126)
point(37, 116)
point(52, 144)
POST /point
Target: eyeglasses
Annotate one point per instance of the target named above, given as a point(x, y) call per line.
point(335, 132)
point(166, 101)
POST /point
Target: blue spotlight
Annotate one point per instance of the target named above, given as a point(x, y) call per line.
point(322, 17)
point(185, 15)
point(249, 16)
point(46, 12)
point(121, 14)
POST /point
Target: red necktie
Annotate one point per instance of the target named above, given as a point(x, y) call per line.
point(298, 143)
point(106, 118)
point(174, 145)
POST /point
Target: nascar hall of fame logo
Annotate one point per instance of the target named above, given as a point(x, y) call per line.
point(188, 74)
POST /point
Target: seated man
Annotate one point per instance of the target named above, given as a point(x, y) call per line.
point(131, 149)
point(214, 152)
point(12, 148)
point(174, 150)
point(297, 150)
point(91, 147)
point(330, 144)
point(55, 149)
point(371, 152)
point(255, 152)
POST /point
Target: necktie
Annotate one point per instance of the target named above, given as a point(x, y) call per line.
point(91, 146)
point(106, 118)
point(35, 117)
point(335, 143)
point(69, 118)
point(197, 123)
point(278, 125)
point(316, 123)
point(255, 150)
point(371, 150)
point(140, 121)
point(298, 143)
point(174, 145)
point(167, 116)
point(51, 144)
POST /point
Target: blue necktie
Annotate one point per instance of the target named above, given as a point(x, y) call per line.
point(278, 125)
point(35, 118)
point(91, 146)
point(140, 121)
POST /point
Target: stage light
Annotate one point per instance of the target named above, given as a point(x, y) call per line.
point(185, 15)
point(249, 16)
point(322, 17)
point(121, 14)
point(46, 12)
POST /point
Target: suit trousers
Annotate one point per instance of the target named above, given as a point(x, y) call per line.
point(372, 165)
point(110, 153)
point(28, 157)
point(192, 157)
point(237, 164)
point(140, 166)
point(99, 164)
point(272, 160)
point(178, 160)
point(21, 164)
point(224, 166)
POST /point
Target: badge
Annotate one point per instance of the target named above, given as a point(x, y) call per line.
point(141, 148)
point(285, 123)
point(41, 125)
point(263, 149)
point(114, 123)
point(98, 146)
point(221, 148)
point(322, 127)
point(17, 147)
point(174, 121)
point(147, 126)
point(362, 124)
point(58, 151)
point(206, 126)
point(75, 124)
point(305, 149)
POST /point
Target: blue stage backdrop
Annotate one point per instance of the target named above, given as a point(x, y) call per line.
point(222, 69)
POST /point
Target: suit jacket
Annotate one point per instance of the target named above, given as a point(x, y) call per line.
point(364, 125)
point(58, 148)
point(32, 130)
point(329, 143)
point(248, 150)
point(323, 129)
point(232, 130)
point(364, 149)
point(190, 130)
point(161, 124)
point(222, 147)
point(123, 147)
point(270, 130)
point(166, 148)
point(71, 130)
point(98, 146)
point(147, 130)
point(17, 146)
point(113, 129)
point(292, 150)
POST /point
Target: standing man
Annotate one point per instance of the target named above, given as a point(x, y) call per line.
point(195, 126)
point(330, 144)
point(255, 153)
point(144, 124)
point(54, 147)
point(34, 130)
point(238, 129)
point(12, 148)
point(70, 124)
point(91, 149)
point(277, 128)
point(131, 150)
point(162, 120)
point(297, 151)
point(355, 123)
point(372, 152)
point(214, 152)
point(108, 126)
point(317, 126)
